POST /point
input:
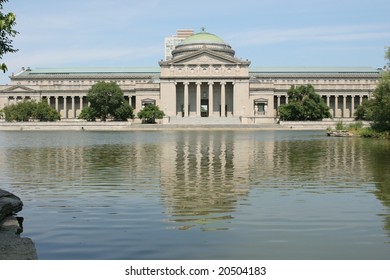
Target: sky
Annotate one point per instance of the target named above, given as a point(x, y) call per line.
point(130, 33)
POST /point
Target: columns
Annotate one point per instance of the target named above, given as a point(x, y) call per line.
point(186, 99)
point(65, 106)
point(211, 95)
point(352, 105)
point(223, 99)
point(56, 102)
point(73, 108)
point(198, 85)
point(344, 113)
point(81, 103)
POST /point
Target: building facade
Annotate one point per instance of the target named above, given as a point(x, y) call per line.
point(203, 81)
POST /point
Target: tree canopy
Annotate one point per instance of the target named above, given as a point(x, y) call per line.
point(106, 102)
point(7, 22)
point(150, 113)
point(381, 104)
point(30, 109)
point(303, 104)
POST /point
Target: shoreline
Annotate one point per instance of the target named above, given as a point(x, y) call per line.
point(130, 126)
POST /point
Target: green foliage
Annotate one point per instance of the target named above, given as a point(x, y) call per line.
point(44, 112)
point(150, 113)
point(340, 125)
point(355, 126)
point(365, 110)
point(88, 114)
point(123, 112)
point(381, 105)
point(304, 104)
point(106, 102)
point(29, 109)
point(368, 132)
point(7, 21)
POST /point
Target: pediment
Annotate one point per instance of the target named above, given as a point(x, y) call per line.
point(205, 57)
point(18, 89)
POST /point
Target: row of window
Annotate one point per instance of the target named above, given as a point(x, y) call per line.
point(319, 81)
point(55, 82)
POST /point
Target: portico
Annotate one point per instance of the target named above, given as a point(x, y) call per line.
point(204, 98)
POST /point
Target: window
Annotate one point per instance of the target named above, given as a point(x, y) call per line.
point(260, 106)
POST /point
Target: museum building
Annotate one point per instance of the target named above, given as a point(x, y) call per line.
point(203, 82)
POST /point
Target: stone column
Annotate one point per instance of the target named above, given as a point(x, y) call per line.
point(65, 108)
point(211, 95)
point(360, 99)
point(81, 103)
point(73, 108)
point(56, 102)
point(352, 105)
point(328, 101)
point(344, 112)
point(186, 99)
point(198, 85)
point(278, 101)
point(223, 99)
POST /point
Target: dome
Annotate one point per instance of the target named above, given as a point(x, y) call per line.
point(202, 40)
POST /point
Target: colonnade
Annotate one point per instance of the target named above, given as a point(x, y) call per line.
point(193, 97)
point(340, 105)
point(69, 106)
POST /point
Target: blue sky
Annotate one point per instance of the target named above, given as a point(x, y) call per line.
point(76, 33)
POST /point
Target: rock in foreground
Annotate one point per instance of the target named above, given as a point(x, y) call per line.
point(9, 204)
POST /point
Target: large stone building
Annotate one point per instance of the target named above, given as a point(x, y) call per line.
point(203, 82)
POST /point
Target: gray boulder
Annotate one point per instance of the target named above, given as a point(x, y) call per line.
point(9, 204)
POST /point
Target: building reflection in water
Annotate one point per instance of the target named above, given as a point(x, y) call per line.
point(203, 176)
point(200, 177)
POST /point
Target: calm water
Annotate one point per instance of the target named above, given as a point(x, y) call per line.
point(200, 195)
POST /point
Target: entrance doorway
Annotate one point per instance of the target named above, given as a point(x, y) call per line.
point(204, 107)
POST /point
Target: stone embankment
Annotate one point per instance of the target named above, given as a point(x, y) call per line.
point(77, 125)
point(12, 246)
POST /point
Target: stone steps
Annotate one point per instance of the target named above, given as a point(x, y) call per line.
point(205, 121)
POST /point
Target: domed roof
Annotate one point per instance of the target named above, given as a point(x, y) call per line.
point(202, 40)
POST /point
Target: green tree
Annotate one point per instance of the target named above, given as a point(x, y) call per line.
point(303, 104)
point(381, 105)
point(150, 113)
point(44, 112)
point(106, 101)
point(7, 22)
point(364, 111)
point(29, 109)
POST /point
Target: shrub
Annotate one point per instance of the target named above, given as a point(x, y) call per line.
point(355, 126)
point(340, 125)
point(368, 132)
point(150, 113)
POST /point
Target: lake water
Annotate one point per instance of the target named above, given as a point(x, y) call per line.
point(200, 194)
